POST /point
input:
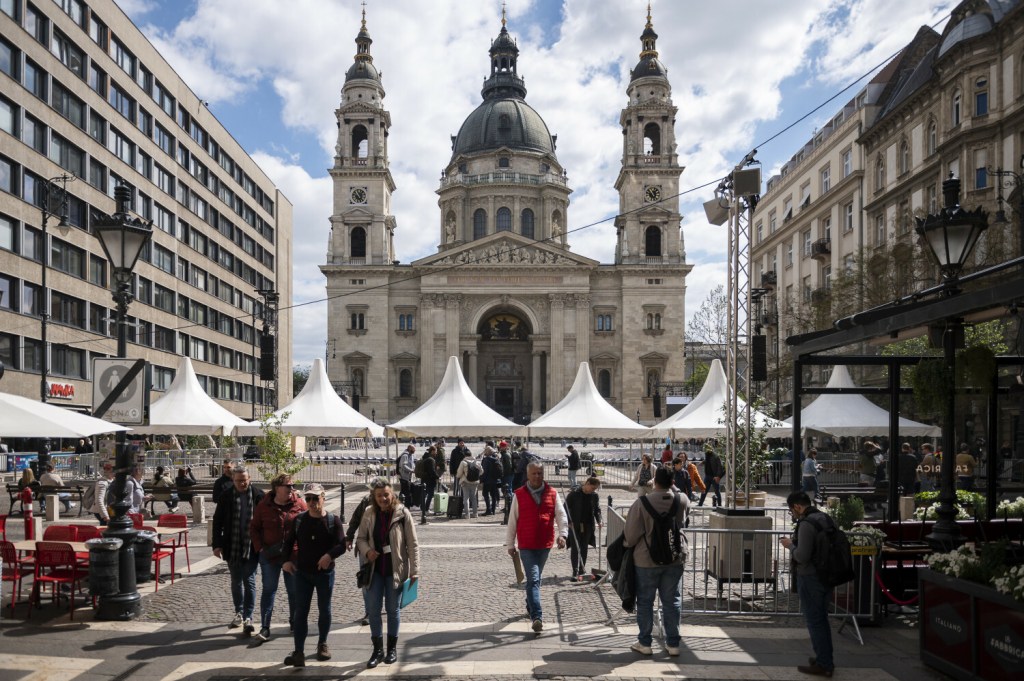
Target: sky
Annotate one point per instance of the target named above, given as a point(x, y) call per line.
point(742, 71)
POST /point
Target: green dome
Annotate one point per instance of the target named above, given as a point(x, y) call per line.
point(505, 122)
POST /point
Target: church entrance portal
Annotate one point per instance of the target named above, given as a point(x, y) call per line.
point(505, 359)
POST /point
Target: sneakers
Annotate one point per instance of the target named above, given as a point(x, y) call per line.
point(814, 670)
point(247, 627)
point(641, 648)
point(322, 651)
point(237, 622)
point(296, 659)
point(673, 651)
point(264, 634)
point(538, 626)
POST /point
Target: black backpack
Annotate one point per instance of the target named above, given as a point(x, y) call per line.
point(832, 558)
point(665, 545)
point(473, 471)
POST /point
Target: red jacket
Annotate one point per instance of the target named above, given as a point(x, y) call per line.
point(667, 455)
point(536, 526)
point(270, 521)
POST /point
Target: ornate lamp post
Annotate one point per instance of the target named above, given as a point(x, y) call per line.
point(951, 235)
point(123, 238)
point(55, 204)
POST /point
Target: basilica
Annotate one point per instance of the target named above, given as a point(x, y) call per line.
point(504, 292)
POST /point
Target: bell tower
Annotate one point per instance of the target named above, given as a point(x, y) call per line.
point(362, 226)
point(648, 226)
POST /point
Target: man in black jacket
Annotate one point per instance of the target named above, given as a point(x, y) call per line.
point(458, 454)
point(583, 505)
point(573, 463)
point(222, 483)
point(231, 542)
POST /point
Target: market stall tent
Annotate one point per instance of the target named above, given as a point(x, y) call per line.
point(22, 417)
point(584, 413)
point(186, 409)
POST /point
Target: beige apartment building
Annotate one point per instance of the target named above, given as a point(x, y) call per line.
point(504, 291)
point(834, 231)
point(84, 94)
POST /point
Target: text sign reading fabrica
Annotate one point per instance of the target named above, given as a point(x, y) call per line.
point(119, 390)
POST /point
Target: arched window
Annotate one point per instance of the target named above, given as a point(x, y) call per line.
point(357, 242)
point(604, 383)
point(405, 383)
point(652, 139)
point(657, 320)
point(504, 220)
point(652, 241)
point(526, 223)
point(503, 162)
point(358, 321)
point(957, 107)
point(650, 320)
point(904, 157)
point(933, 138)
point(360, 143)
point(479, 223)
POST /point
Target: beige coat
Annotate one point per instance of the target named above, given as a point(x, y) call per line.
point(405, 547)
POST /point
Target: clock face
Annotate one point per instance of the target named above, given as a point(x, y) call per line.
point(652, 193)
point(358, 195)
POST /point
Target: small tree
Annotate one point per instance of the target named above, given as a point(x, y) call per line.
point(710, 323)
point(300, 374)
point(760, 454)
point(276, 455)
point(697, 379)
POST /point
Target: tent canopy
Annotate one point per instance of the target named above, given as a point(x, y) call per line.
point(705, 415)
point(584, 413)
point(453, 410)
point(186, 409)
point(22, 417)
point(853, 415)
point(318, 411)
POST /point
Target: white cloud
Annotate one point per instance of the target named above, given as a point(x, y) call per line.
point(727, 77)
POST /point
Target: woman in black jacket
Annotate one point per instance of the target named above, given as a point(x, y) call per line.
point(583, 505)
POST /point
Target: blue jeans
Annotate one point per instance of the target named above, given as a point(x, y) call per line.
point(322, 581)
point(382, 594)
point(271, 577)
point(662, 581)
point(810, 485)
point(572, 478)
point(533, 565)
point(716, 498)
point(814, 606)
point(243, 585)
point(506, 480)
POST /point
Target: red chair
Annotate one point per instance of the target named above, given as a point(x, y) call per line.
point(3, 528)
point(137, 520)
point(87, 532)
point(60, 533)
point(160, 551)
point(15, 569)
point(180, 541)
point(56, 565)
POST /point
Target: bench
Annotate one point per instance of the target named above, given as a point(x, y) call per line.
point(164, 494)
point(40, 492)
point(869, 495)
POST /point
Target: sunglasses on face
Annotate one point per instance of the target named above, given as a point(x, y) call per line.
point(310, 499)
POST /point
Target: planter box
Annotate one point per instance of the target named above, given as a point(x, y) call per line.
point(970, 631)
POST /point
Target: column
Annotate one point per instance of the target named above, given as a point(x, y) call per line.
point(426, 332)
point(471, 372)
point(451, 325)
point(535, 400)
point(582, 328)
point(556, 381)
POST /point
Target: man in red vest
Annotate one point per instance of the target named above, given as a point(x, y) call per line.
point(536, 513)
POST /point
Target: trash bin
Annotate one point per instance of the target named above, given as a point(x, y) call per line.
point(103, 566)
point(144, 556)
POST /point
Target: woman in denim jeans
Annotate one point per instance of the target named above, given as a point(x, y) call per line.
point(271, 520)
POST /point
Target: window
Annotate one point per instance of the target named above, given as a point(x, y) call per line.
point(164, 139)
point(97, 270)
point(789, 254)
point(163, 377)
point(98, 31)
point(36, 24)
point(879, 229)
point(955, 113)
point(8, 288)
point(10, 8)
point(73, 8)
point(67, 310)
point(805, 195)
point(67, 105)
point(121, 147)
point(787, 210)
point(35, 79)
point(980, 170)
point(120, 100)
point(32, 244)
point(904, 157)
point(9, 58)
point(879, 174)
point(163, 259)
point(31, 299)
point(526, 223)
point(406, 322)
point(357, 240)
point(773, 223)
point(67, 258)
point(67, 156)
point(358, 321)
point(122, 57)
point(981, 97)
point(847, 162)
point(97, 175)
point(826, 179)
point(9, 344)
point(479, 223)
point(933, 199)
point(848, 217)
point(807, 243)
point(144, 291)
point(8, 181)
point(805, 287)
point(33, 133)
point(603, 323)
point(504, 220)
point(68, 53)
point(405, 383)
point(604, 383)
point(144, 122)
point(65, 361)
point(163, 339)
point(652, 241)
point(933, 137)
point(8, 234)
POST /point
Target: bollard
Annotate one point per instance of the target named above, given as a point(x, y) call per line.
point(26, 505)
point(52, 508)
point(198, 509)
point(144, 556)
point(341, 511)
point(104, 573)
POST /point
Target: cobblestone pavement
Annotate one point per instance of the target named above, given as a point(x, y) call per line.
point(469, 623)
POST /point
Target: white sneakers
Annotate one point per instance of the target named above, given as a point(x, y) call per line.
point(236, 622)
point(673, 651)
point(641, 648)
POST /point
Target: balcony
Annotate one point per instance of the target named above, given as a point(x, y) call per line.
point(504, 177)
point(770, 319)
point(769, 279)
point(821, 249)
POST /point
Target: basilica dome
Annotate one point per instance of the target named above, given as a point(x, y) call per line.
point(503, 122)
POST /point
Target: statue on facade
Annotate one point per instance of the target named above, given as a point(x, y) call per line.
point(449, 231)
point(556, 228)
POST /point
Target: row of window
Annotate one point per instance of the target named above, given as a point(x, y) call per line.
point(64, 48)
point(503, 222)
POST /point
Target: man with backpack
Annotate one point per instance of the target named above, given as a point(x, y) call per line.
point(654, 531)
point(807, 548)
point(468, 480)
point(427, 471)
point(406, 466)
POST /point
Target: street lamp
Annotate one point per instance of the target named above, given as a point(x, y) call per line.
point(123, 238)
point(951, 235)
point(373, 412)
point(638, 416)
point(55, 204)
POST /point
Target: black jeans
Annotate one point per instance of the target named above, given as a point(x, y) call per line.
point(490, 497)
point(405, 491)
point(578, 555)
point(428, 496)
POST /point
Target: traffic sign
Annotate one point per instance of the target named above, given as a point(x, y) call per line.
point(119, 391)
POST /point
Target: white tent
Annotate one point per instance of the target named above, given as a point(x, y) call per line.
point(705, 415)
point(318, 411)
point(584, 413)
point(22, 417)
point(186, 409)
point(454, 410)
point(853, 415)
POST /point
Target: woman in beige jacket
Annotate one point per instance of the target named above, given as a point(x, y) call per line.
point(387, 539)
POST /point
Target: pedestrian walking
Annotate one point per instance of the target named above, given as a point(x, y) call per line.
point(714, 471)
point(583, 507)
point(99, 505)
point(315, 541)
point(573, 464)
point(507, 474)
point(810, 469)
point(928, 472)
point(232, 543)
point(270, 524)
point(681, 479)
point(814, 595)
point(908, 469)
point(406, 469)
point(653, 529)
point(350, 542)
point(387, 539)
point(468, 480)
point(537, 521)
point(491, 479)
point(224, 482)
point(643, 479)
point(428, 473)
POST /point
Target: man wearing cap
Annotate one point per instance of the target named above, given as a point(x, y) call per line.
point(232, 542)
point(406, 467)
point(316, 539)
point(536, 517)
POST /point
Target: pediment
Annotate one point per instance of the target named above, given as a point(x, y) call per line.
point(405, 357)
point(505, 248)
point(603, 357)
point(359, 106)
point(356, 357)
point(654, 212)
point(653, 357)
point(357, 214)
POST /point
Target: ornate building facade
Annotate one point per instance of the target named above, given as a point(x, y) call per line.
point(504, 292)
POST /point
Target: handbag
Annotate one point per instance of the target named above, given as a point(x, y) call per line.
point(364, 574)
point(274, 551)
